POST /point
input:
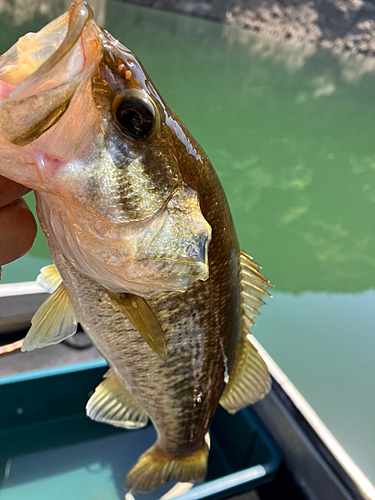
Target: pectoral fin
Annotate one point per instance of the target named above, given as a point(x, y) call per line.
point(249, 380)
point(112, 404)
point(53, 322)
point(141, 316)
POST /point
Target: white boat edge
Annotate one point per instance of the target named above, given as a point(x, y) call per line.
point(22, 288)
point(312, 418)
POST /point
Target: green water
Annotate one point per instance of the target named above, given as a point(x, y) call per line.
point(291, 135)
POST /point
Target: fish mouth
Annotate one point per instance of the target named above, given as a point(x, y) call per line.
point(42, 71)
point(36, 57)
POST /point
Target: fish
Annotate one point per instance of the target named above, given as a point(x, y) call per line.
point(146, 256)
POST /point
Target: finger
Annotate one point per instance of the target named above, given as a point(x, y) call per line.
point(10, 191)
point(17, 231)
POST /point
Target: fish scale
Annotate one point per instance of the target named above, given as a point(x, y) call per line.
point(163, 389)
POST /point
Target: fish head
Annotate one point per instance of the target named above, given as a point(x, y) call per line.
point(82, 124)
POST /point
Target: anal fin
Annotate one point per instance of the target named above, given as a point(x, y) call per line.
point(112, 404)
point(53, 322)
point(249, 380)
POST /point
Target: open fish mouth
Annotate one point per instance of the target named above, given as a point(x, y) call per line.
point(37, 53)
point(41, 72)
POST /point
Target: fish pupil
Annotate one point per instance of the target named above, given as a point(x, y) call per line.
point(135, 118)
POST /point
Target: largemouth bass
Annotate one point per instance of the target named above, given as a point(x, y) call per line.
point(141, 235)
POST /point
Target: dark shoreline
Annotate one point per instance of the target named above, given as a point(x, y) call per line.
point(339, 25)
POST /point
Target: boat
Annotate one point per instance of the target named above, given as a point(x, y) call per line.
point(306, 461)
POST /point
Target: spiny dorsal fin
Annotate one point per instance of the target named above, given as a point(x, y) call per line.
point(49, 278)
point(141, 316)
point(112, 404)
point(253, 288)
point(53, 322)
point(249, 380)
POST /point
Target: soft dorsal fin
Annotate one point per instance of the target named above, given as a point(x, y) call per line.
point(55, 319)
point(141, 316)
point(112, 404)
point(249, 380)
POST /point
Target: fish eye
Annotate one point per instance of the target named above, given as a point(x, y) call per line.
point(136, 116)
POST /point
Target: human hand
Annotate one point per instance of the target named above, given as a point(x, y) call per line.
point(17, 224)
